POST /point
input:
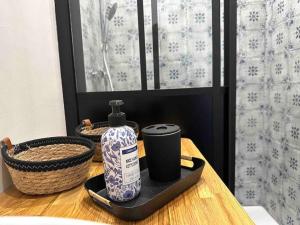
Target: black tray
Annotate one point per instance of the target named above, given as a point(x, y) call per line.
point(153, 194)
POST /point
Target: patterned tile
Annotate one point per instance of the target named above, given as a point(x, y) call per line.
point(276, 153)
point(253, 16)
point(293, 100)
point(273, 205)
point(279, 68)
point(248, 194)
point(294, 66)
point(289, 217)
point(250, 148)
point(293, 131)
point(280, 38)
point(253, 43)
point(251, 122)
point(251, 71)
point(251, 97)
point(292, 164)
point(173, 74)
point(295, 33)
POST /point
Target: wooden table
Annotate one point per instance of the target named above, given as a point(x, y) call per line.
point(207, 202)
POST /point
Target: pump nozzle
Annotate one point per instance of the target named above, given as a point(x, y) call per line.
point(116, 105)
point(116, 118)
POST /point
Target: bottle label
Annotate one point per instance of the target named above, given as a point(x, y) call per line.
point(130, 164)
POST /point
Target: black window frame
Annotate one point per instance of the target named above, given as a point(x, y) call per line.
point(224, 97)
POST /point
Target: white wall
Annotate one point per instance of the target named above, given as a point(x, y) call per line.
point(31, 102)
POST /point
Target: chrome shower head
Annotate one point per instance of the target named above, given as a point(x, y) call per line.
point(111, 11)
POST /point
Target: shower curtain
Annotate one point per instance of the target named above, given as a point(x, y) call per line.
point(268, 107)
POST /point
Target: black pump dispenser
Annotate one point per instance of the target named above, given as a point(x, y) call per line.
point(116, 118)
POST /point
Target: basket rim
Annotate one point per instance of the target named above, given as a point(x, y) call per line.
point(101, 124)
point(50, 165)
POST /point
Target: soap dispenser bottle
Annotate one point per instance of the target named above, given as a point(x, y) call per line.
point(120, 157)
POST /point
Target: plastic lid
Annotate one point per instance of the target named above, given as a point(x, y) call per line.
point(160, 129)
point(116, 118)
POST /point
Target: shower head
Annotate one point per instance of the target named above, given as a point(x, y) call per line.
point(109, 14)
point(111, 11)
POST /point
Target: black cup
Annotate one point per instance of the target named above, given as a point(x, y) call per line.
point(163, 151)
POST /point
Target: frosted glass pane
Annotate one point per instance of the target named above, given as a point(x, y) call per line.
point(110, 45)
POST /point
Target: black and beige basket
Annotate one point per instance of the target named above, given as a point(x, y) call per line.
point(94, 131)
point(48, 165)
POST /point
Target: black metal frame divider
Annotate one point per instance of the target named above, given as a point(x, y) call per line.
point(155, 41)
point(230, 27)
point(219, 101)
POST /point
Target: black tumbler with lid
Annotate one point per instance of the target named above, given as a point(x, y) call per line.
point(163, 151)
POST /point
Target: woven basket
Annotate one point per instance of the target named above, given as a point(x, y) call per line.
point(48, 165)
point(94, 131)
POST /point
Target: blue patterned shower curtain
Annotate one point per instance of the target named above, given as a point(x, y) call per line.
point(268, 107)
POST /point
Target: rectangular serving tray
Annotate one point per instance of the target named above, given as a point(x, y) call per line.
point(153, 194)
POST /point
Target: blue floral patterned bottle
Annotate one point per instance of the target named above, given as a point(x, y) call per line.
point(120, 157)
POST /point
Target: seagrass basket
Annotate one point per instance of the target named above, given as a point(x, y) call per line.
point(94, 131)
point(48, 165)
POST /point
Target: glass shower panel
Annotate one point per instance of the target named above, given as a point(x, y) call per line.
point(185, 43)
point(110, 41)
point(110, 45)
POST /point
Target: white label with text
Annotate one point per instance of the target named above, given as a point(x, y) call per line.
point(130, 164)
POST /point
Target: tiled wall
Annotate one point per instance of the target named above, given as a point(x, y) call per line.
point(268, 107)
point(185, 44)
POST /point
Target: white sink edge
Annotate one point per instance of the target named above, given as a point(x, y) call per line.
point(43, 220)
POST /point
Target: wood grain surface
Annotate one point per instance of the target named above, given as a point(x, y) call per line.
point(207, 202)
